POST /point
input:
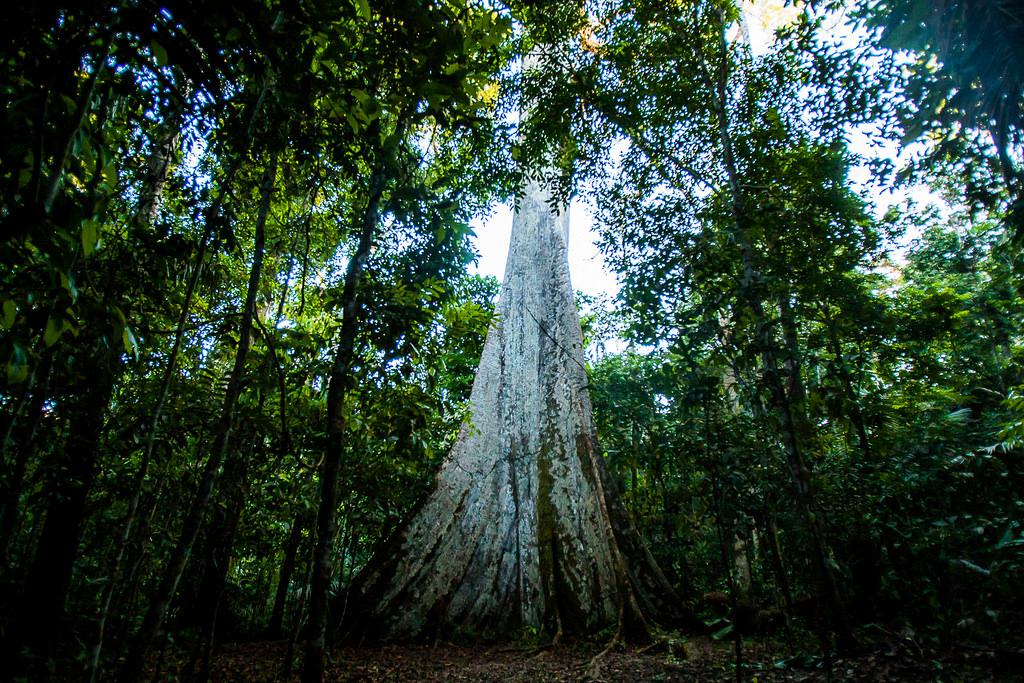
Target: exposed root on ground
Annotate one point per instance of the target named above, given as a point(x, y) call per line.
point(661, 645)
point(594, 667)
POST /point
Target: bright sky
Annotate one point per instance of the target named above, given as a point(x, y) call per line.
point(587, 268)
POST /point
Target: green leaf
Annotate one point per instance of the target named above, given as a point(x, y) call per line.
point(90, 237)
point(54, 329)
point(67, 281)
point(110, 172)
point(9, 313)
point(363, 9)
point(160, 53)
point(131, 346)
point(1008, 540)
point(17, 365)
point(722, 632)
point(972, 566)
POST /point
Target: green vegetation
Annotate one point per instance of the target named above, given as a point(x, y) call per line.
point(238, 333)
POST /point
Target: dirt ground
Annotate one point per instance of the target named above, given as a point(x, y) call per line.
point(698, 659)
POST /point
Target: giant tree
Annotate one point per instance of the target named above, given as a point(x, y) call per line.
point(524, 528)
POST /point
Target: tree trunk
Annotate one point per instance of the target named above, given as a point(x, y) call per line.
point(22, 437)
point(752, 293)
point(855, 414)
point(220, 541)
point(284, 579)
point(339, 384)
point(41, 610)
point(151, 194)
point(779, 568)
point(524, 529)
point(729, 561)
point(197, 511)
point(158, 167)
point(219, 538)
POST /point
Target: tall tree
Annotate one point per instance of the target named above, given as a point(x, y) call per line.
point(524, 528)
point(721, 187)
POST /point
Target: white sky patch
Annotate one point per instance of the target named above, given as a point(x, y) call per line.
point(587, 268)
point(762, 17)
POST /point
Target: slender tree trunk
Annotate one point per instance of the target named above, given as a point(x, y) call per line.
point(339, 384)
point(233, 491)
point(150, 195)
point(284, 578)
point(779, 569)
point(348, 553)
point(855, 413)
point(299, 620)
point(127, 597)
point(23, 438)
point(752, 292)
point(741, 562)
point(219, 539)
point(159, 166)
point(164, 593)
point(728, 566)
point(713, 466)
point(41, 613)
point(793, 360)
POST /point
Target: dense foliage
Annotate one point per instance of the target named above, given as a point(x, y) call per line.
point(826, 426)
point(238, 332)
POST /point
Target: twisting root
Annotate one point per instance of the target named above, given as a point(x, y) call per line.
point(556, 641)
point(594, 668)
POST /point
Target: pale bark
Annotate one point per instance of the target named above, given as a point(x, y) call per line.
point(524, 529)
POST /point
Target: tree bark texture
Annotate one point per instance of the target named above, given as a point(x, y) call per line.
point(524, 529)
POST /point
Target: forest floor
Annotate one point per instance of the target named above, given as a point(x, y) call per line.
point(699, 659)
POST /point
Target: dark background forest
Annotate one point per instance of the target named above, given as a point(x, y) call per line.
point(236, 240)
